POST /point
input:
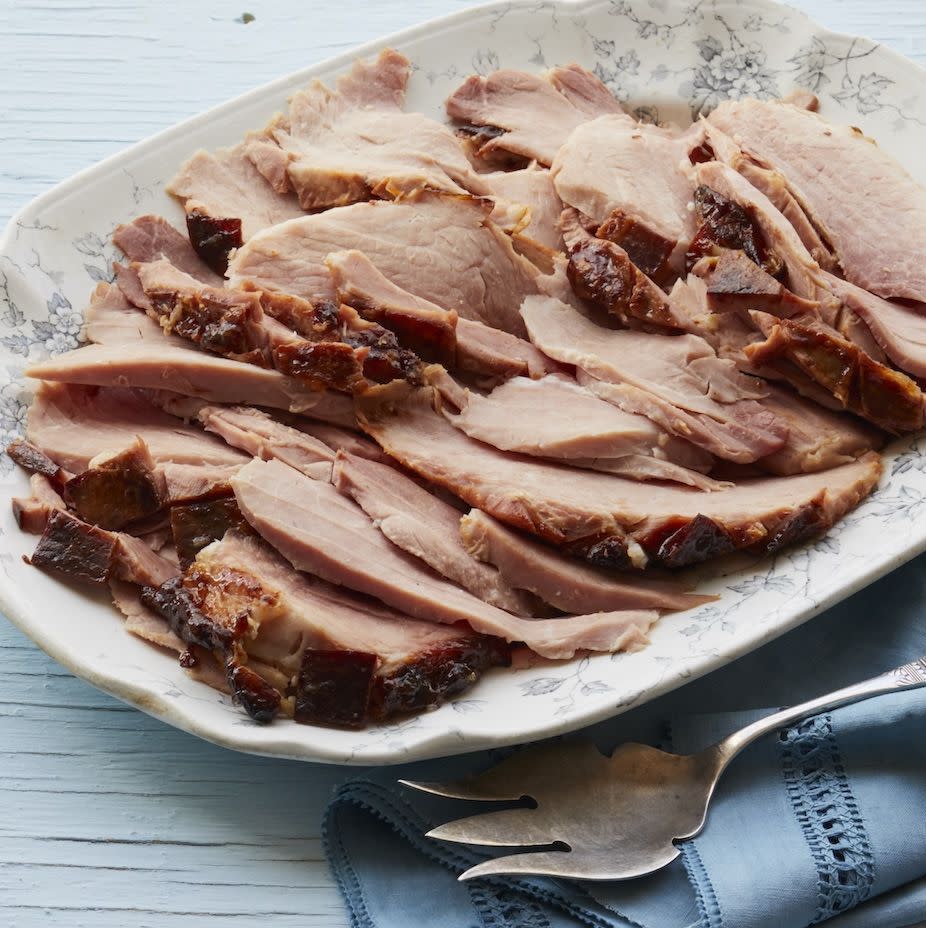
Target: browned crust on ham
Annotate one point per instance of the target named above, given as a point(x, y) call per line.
point(878, 393)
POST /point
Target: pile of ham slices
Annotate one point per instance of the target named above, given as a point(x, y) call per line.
point(409, 393)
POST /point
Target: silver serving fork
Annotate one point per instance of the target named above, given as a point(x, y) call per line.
point(617, 817)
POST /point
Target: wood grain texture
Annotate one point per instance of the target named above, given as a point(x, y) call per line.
point(108, 818)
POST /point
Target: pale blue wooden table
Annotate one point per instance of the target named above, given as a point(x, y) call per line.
point(108, 818)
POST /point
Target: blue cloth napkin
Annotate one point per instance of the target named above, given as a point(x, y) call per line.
point(826, 823)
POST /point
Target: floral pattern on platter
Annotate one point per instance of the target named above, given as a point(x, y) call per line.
point(668, 61)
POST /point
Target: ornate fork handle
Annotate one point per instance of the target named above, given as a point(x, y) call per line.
point(909, 676)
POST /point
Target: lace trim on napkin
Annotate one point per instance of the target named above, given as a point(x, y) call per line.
point(828, 815)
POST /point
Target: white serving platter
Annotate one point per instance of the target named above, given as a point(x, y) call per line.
point(668, 61)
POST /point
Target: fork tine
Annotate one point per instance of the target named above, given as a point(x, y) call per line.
point(537, 863)
point(508, 828)
point(463, 789)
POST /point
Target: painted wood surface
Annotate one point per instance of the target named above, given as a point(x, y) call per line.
point(109, 819)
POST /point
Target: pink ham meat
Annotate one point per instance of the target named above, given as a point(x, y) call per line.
point(609, 520)
point(416, 521)
point(615, 165)
point(111, 319)
point(225, 184)
point(443, 249)
point(899, 329)
point(152, 366)
point(677, 381)
point(556, 418)
point(532, 189)
point(263, 437)
point(355, 142)
point(415, 664)
point(866, 206)
point(818, 438)
point(562, 581)
point(32, 512)
point(318, 530)
point(73, 424)
point(341, 439)
point(431, 331)
point(427, 329)
point(516, 113)
point(151, 238)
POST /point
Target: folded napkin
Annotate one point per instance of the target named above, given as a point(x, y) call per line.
point(826, 823)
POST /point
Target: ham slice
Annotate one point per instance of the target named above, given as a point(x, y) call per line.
point(33, 512)
point(677, 381)
point(531, 187)
point(319, 531)
point(443, 249)
point(427, 329)
point(415, 664)
point(191, 373)
point(880, 394)
point(818, 438)
point(513, 112)
point(226, 184)
point(151, 238)
point(899, 329)
point(556, 418)
point(605, 518)
point(561, 581)
point(353, 143)
point(865, 204)
point(426, 527)
point(615, 165)
point(111, 319)
point(263, 437)
point(431, 331)
point(73, 424)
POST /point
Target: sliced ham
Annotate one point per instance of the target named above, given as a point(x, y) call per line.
point(318, 530)
point(491, 354)
point(677, 381)
point(416, 664)
point(72, 424)
point(191, 373)
point(341, 439)
point(531, 187)
point(426, 527)
point(142, 621)
point(356, 142)
point(226, 184)
point(899, 329)
point(433, 332)
point(444, 249)
point(602, 274)
point(774, 185)
point(615, 165)
point(884, 396)
point(33, 512)
point(866, 205)
point(429, 330)
point(111, 319)
point(81, 551)
point(151, 238)
point(523, 114)
point(185, 483)
point(556, 418)
point(605, 518)
point(564, 582)
point(818, 438)
point(262, 437)
point(779, 235)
